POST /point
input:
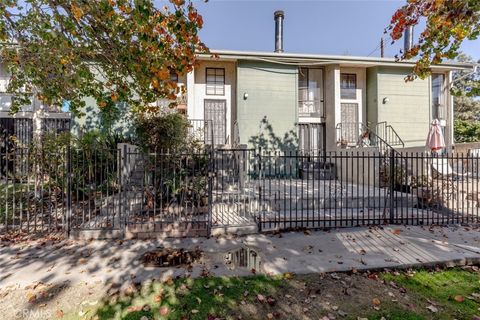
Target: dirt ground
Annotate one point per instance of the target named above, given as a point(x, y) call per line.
point(316, 296)
point(48, 301)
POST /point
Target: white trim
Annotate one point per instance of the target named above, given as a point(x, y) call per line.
point(299, 58)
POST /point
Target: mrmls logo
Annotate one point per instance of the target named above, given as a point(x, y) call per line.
point(28, 314)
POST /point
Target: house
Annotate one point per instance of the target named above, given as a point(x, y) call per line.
point(328, 101)
point(311, 102)
point(36, 117)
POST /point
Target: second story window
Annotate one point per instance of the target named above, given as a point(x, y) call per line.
point(348, 86)
point(215, 81)
point(310, 92)
point(438, 98)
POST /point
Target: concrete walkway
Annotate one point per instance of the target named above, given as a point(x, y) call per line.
point(320, 251)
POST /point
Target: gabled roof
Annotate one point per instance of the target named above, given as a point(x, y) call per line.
point(315, 59)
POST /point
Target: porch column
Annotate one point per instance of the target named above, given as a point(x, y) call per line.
point(450, 113)
point(191, 94)
point(332, 105)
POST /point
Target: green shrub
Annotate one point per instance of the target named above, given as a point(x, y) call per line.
point(466, 131)
point(163, 131)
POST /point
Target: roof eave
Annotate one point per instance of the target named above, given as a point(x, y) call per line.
point(294, 58)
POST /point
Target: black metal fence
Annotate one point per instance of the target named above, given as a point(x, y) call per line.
point(355, 188)
point(181, 194)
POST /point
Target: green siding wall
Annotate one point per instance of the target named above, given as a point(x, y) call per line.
point(408, 109)
point(91, 120)
point(272, 95)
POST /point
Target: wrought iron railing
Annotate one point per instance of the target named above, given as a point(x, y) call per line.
point(201, 130)
point(310, 103)
point(388, 134)
point(236, 134)
point(357, 134)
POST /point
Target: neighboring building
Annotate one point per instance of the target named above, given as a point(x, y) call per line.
point(35, 117)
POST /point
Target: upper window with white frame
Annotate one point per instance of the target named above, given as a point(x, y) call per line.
point(215, 81)
point(348, 86)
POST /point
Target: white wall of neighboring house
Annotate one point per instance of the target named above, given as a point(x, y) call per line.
point(450, 110)
point(332, 104)
point(197, 96)
point(4, 98)
point(361, 93)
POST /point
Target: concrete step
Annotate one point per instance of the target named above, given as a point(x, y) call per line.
point(242, 230)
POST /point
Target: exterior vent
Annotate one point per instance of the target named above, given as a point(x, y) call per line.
point(279, 16)
point(408, 39)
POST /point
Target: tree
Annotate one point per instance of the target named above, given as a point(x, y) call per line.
point(111, 50)
point(466, 131)
point(467, 107)
point(448, 24)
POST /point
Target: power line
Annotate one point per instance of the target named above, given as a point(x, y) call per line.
point(373, 51)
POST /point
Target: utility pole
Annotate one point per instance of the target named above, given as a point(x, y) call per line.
point(382, 48)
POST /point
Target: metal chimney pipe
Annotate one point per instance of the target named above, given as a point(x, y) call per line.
point(408, 39)
point(279, 16)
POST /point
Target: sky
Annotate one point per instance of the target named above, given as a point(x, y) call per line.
point(317, 26)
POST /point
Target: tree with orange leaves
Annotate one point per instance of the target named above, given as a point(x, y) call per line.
point(448, 24)
point(111, 50)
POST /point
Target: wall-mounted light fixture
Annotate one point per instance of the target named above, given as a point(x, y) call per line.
point(245, 96)
point(385, 100)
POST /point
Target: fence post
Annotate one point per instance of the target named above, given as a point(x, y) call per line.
point(260, 190)
point(69, 190)
point(392, 185)
point(210, 176)
point(124, 180)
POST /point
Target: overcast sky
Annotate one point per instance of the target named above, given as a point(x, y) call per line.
point(316, 26)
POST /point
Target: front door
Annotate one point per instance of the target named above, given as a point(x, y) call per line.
point(311, 137)
point(350, 124)
point(216, 117)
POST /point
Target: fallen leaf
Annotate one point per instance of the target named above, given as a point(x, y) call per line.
point(134, 308)
point(288, 275)
point(269, 315)
point(31, 297)
point(194, 311)
point(157, 298)
point(459, 298)
point(260, 298)
point(397, 231)
point(376, 301)
point(59, 313)
point(168, 281)
point(163, 311)
point(432, 308)
point(342, 313)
